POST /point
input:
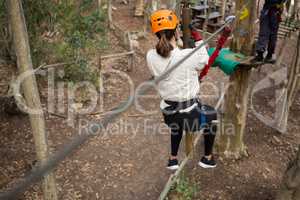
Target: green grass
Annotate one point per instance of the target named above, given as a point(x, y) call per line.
point(183, 190)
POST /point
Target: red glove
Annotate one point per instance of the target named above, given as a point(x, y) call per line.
point(196, 35)
point(222, 40)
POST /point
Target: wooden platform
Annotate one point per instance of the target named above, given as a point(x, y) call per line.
point(248, 63)
point(211, 16)
point(200, 8)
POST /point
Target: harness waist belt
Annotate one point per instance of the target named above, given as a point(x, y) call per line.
point(180, 105)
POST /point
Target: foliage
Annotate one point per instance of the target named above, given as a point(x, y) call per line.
point(79, 29)
point(185, 189)
point(4, 40)
point(2, 9)
point(38, 15)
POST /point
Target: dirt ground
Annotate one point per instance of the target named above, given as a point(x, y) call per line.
point(129, 163)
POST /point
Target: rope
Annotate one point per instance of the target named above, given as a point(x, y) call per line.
point(42, 170)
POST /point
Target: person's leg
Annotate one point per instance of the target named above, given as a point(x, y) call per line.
point(274, 26)
point(176, 136)
point(207, 118)
point(209, 139)
point(263, 36)
point(208, 161)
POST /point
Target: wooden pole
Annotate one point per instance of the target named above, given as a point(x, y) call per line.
point(223, 8)
point(231, 142)
point(290, 91)
point(206, 13)
point(186, 19)
point(172, 4)
point(99, 2)
point(296, 10)
point(290, 186)
point(29, 85)
point(139, 8)
point(109, 14)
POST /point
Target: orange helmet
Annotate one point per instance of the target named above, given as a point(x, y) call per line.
point(163, 20)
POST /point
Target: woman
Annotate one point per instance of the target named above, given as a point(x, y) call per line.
point(181, 108)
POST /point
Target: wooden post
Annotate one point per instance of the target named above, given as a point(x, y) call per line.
point(231, 142)
point(109, 14)
point(147, 14)
point(29, 85)
point(289, 8)
point(99, 2)
point(223, 8)
point(139, 8)
point(206, 13)
point(290, 91)
point(290, 186)
point(296, 10)
point(172, 4)
point(189, 140)
point(186, 19)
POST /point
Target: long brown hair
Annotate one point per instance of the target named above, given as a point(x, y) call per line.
point(164, 46)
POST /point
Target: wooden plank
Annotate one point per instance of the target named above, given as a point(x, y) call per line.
point(213, 15)
point(118, 55)
point(200, 7)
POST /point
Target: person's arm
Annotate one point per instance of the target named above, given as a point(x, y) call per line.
point(200, 58)
point(149, 64)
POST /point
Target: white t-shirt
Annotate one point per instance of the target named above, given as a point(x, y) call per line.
point(181, 84)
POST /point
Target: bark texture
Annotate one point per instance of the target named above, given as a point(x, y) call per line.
point(290, 90)
point(290, 186)
point(139, 8)
point(231, 142)
point(30, 89)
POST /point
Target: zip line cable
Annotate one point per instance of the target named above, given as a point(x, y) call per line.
point(40, 171)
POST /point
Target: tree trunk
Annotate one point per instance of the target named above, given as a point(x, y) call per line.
point(223, 8)
point(290, 91)
point(231, 143)
point(296, 11)
point(186, 20)
point(172, 4)
point(109, 14)
point(139, 8)
point(99, 4)
point(290, 186)
point(149, 7)
point(29, 85)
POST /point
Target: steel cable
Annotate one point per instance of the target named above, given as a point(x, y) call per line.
point(40, 171)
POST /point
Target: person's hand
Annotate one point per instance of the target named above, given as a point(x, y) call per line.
point(196, 35)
